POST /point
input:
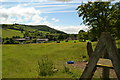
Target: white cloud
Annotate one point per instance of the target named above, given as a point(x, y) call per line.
point(64, 1)
point(55, 20)
point(24, 0)
point(2, 0)
point(18, 14)
point(72, 29)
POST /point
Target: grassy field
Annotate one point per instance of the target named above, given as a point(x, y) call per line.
point(9, 33)
point(0, 61)
point(21, 60)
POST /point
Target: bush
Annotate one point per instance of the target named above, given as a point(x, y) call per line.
point(58, 42)
point(34, 41)
point(45, 67)
point(9, 41)
point(66, 40)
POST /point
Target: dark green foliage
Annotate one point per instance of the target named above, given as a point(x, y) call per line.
point(74, 41)
point(16, 37)
point(9, 41)
point(34, 41)
point(58, 42)
point(27, 34)
point(72, 36)
point(81, 31)
point(83, 36)
point(66, 40)
point(101, 17)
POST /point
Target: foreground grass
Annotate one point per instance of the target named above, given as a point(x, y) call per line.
point(0, 61)
point(21, 60)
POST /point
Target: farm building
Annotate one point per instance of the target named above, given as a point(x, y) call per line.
point(41, 40)
point(22, 40)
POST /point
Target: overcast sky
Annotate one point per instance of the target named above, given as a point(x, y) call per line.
point(58, 14)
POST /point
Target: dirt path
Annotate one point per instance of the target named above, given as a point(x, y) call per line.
point(79, 64)
point(98, 73)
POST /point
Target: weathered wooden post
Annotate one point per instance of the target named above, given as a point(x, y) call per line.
point(89, 49)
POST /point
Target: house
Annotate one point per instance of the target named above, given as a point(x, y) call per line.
point(22, 40)
point(41, 40)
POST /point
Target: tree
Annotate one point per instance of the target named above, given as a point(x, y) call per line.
point(26, 34)
point(99, 16)
point(83, 36)
point(116, 17)
point(81, 31)
point(21, 29)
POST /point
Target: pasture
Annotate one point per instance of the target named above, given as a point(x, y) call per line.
point(21, 60)
point(10, 33)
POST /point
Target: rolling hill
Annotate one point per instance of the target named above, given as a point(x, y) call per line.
point(46, 28)
point(43, 28)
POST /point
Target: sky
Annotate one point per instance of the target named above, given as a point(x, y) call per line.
point(58, 14)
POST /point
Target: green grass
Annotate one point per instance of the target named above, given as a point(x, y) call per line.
point(0, 32)
point(70, 41)
point(0, 61)
point(21, 60)
point(9, 33)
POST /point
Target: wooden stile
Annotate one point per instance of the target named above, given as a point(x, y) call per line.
point(106, 47)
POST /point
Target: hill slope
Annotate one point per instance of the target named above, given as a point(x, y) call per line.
point(9, 33)
point(46, 28)
point(32, 28)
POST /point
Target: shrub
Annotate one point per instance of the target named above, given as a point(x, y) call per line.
point(45, 67)
point(9, 41)
point(58, 42)
point(66, 40)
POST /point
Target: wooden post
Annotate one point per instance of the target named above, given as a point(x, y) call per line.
point(105, 73)
point(113, 53)
point(89, 49)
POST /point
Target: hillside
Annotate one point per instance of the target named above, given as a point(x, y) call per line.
point(46, 28)
point(43, 28)
point(9, 33)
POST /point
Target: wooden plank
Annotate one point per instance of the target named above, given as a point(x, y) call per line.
point(94, 58)
point(99, 65)
point(105, 63)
